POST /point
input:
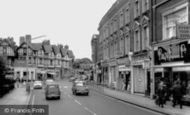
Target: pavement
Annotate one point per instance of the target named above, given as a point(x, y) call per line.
point(18, 96)
point(141, 101)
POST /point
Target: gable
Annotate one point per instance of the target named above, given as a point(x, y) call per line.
point(145, 21)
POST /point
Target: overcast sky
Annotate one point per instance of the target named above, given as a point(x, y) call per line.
point(71, 22)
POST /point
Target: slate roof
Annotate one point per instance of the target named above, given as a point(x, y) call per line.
point(55, 49)
point(70, 54)
point(47, 48)
point(36, 46)
point(63, 52)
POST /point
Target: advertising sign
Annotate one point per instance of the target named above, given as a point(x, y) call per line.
point(183, 31)
point(172, 53)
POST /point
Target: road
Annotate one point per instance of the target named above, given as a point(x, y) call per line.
point(94, 104)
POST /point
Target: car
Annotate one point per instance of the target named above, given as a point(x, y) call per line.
point(37, 85)
point(48, 81)
point(52, 90)
point(72, 79)
point(80, 88)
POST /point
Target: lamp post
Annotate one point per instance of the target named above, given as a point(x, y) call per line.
point(27, 70)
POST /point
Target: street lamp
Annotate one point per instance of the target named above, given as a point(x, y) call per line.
point(27, 71)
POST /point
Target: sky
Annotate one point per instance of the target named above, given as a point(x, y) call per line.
point(66, 22)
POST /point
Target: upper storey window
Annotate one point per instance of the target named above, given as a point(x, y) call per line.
point(145, 5)
point(177, 15)
point(137, 8)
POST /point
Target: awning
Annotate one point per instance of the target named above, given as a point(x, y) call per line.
point(41, 72)
point(51, 73)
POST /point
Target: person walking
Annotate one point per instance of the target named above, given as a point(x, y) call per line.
point(161, 94)
point(177, 94)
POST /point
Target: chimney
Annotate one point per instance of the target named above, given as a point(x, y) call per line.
point(28, 38)
point(22, 39)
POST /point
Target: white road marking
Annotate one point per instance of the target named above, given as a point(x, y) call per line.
point(33, 98)
point(65, 87)
point(78, 102)
point(89, 111)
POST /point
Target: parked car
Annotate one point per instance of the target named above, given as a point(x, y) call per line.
point(48, 81)
point(52, 90)
point(37, 85)
point(80, 88)
point(72, 79)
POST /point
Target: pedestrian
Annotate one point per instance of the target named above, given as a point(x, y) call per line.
point(123, 84)
point(161, 94)
point(177, 94)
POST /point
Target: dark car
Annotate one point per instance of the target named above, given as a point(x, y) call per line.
point(52, 91)
point(80, 88)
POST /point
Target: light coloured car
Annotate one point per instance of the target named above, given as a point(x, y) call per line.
point(37, 85)
point(80, 87)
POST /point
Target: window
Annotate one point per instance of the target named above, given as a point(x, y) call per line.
point(115, 24)
point(127, 44)
point(137, 8)
point(171, 19)
point(137, 40)
point(1, 50)
point(51, 62)
point(127, 15)
point(121, 19)
point(145, 5)
point(145, 37)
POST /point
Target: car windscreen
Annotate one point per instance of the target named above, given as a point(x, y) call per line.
point(80, 84)
point(53, 87)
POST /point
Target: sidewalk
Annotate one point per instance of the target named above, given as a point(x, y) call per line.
point(142, 101)
point(18, 96)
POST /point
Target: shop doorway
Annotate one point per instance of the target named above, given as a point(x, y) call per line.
point(148, 83)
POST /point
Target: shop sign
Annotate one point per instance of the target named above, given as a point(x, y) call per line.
point(123, 61)
point(183, 31)
point(146, 65)
point(172, 53)
point(138, 62)
point(123, 68)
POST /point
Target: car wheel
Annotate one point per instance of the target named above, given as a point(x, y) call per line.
point(47, 98)
point(58, 97)
point(87, 94)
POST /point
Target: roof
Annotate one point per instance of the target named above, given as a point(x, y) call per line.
point(70, 54)
point(55, 49)
point(63, 52)
point(36, 46)
point(10, 42)
point(47, 48)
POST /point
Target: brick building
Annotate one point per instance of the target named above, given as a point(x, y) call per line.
point(125, 44)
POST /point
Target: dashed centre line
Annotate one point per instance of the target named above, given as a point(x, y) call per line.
point(78, 102)
point(89, 111)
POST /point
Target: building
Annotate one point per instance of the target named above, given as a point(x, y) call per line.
point(124, 44)
point(7, 51)
point(171, 47)
point(94, 47)
point(44, 60)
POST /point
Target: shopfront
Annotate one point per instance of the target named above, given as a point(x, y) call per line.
point(124, 75)
point(172, 62)
point(105, 78)
point(141, 74)
point(113, 73)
